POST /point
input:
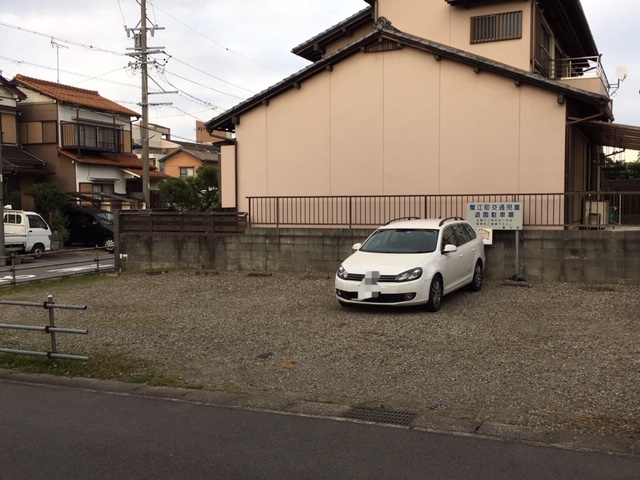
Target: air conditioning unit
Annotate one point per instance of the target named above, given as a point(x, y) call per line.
point(596, 213)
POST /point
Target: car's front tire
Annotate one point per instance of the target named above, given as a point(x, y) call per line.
point(109, 245)
point(435, 294)
point(37, 250)
point(476, 282)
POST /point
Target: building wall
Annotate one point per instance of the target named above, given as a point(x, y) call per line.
point(181, 159)
point(9, 128)
point(100, 174)
point(416, 125)
point(440, 22)
point(599, 256)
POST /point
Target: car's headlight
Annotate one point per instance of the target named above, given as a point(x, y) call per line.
point(412, 274)
point(342, 273)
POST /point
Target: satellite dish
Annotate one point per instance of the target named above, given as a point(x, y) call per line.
point(621, 73)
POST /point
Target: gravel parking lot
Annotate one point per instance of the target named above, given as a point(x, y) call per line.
point(549, 355)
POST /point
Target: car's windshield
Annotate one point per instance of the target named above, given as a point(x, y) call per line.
point(401, 240)
point(106, 218)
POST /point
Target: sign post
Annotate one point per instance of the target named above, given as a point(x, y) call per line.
point(499, 216)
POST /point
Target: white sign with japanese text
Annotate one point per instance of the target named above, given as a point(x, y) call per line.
point(495, 215)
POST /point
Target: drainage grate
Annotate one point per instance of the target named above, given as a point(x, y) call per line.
point(381, 416)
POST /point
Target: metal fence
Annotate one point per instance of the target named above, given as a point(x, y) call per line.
point(51, 329)
point(578, 209)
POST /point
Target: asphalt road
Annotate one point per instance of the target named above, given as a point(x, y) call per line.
point(56, 431)
point(56, 264)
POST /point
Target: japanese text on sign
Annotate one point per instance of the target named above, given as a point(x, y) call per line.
point(498, 215)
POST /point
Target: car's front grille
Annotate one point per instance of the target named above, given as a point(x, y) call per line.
point(356, 277)
point(381, 298)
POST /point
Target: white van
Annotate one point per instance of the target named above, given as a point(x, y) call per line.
point(26, 232)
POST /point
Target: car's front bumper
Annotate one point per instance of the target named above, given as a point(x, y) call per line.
point(414, 292)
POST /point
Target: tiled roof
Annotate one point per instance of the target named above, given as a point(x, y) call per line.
point(16, 160)
point(73, 95)
point(209, 154)
point(127, 161)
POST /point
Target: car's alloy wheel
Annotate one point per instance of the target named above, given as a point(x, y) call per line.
point(435, 294)
point(109, 245)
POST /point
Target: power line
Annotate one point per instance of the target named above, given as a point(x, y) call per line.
point(209, 75)
point(58, 39)
point(219, 44)
point(88, 77)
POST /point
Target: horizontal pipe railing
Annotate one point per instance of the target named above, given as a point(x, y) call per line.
point(577, 209)
point(52, 329)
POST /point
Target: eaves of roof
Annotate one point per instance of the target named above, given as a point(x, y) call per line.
point(15, 161)
point(228, 120)
point(11, 86)
point(73, 95)
point(314, 48)
point(120, 160)
point(200, 155)
point(153, 174)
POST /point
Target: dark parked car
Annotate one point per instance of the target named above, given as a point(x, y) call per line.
point(90, 227)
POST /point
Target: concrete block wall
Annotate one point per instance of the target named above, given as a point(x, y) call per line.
point(599, 256)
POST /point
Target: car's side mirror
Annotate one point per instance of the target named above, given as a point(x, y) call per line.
point(448, 248)
point(356, 246)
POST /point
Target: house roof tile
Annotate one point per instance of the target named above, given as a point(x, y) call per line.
point(73, 95)
point(127, 161)
point(16, 160)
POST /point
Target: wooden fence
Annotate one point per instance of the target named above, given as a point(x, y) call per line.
point(208, 223)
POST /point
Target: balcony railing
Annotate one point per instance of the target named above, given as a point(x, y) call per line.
point(577, 67)
point(540, 210)
point(91, 137)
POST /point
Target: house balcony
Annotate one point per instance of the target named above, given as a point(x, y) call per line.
point(585, 73)
point(91, 137)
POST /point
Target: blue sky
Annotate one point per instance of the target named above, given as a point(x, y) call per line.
point(222, 54)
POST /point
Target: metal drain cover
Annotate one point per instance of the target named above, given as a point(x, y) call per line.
point(380, 416)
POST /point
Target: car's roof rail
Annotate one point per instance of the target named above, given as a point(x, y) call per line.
point(449, 218)
point(402, 218)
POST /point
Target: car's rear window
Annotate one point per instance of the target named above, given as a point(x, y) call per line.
point(401, 240)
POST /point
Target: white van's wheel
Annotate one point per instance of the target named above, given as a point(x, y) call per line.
point(37, 250)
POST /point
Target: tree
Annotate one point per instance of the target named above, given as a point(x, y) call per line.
point(199, 193)
point(48, 200)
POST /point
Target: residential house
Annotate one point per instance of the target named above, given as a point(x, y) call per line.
point(184, 161)
point(20, 169)
point(85, 140)
point(435, 97)
point(178, 159)
point(160, 143)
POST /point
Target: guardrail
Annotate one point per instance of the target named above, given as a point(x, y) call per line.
point(51, 329)
point(578, 209)
point(207, 223)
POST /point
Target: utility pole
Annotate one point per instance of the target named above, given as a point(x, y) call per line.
point(144, 131)
point(142, 52)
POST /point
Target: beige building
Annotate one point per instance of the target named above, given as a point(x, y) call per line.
point(438, 97)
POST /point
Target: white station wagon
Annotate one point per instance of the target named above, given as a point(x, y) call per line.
point(412, 262)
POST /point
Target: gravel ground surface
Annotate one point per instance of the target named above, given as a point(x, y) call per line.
point(558, 356)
